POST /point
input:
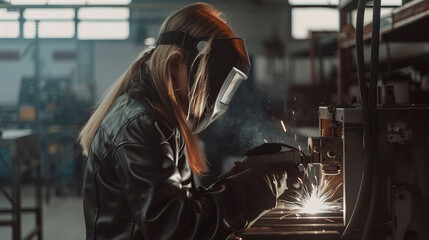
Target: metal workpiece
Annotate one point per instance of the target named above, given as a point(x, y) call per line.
point(327, 151)
point(282, 223)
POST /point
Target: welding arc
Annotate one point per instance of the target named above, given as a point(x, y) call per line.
point(369, 119)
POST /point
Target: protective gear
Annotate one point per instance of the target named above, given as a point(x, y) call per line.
point(269, 154)
point(229, 66)
point(261, 188)
point(138, 184)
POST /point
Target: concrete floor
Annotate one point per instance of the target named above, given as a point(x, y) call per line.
point(62, 217)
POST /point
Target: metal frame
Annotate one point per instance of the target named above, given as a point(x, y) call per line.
point(19, 165)
point(351, 134)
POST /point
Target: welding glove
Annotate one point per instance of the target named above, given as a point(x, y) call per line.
point(259, 187)
point(268, 154)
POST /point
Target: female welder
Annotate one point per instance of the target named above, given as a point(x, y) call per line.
point(142, 151)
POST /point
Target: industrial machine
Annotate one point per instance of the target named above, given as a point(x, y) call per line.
point(377, 150)
point(401, 190)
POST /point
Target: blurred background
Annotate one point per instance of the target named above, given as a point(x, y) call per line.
point(58, 57)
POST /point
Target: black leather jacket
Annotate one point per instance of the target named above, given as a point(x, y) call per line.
point(138, 184)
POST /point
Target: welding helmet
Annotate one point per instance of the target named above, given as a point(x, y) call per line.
point(228, 66)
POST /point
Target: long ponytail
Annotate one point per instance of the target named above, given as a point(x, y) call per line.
point(198, 20)
point(119, 87)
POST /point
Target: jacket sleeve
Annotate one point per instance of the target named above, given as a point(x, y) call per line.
point(163, 209)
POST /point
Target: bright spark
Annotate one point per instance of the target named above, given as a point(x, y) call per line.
point(299, 147)
point(295, 137)
point(313, 204)
point(283, 125)
point(265, 140)
point(293, 112)
point(315, 199)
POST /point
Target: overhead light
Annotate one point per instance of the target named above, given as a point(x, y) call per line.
point(150, 41)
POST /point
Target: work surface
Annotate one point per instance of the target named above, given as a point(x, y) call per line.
point(283, 223)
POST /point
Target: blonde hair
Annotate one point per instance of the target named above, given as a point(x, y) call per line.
point(198, 20)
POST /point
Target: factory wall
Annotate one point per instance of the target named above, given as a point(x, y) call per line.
point(12, 71)
point(259, 27)
point(111, 58)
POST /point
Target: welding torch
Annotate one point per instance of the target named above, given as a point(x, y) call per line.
point(326, 151)
point(272, 154)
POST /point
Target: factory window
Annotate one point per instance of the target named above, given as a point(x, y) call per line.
point(29, 29)
point(335, 2)
point(103, 30)
point(27, 2)
point(9, 29)
point(108, 2)
point(391, 2)
point(51, 29)
point(305, 20)
point(42, 13)
point(150, 41)
point(313, 2)
point(68, 2)
point(103, 23)
point(368, 15)
point(8, 15)
point(103, 13)
point(95, 2)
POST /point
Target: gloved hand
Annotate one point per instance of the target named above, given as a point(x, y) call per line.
point(260, 188)
point(258, 181)
point(269, 154)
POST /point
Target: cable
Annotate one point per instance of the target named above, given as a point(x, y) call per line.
point(366, 175)
point(375, 43)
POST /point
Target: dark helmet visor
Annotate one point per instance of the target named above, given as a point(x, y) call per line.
point(228, 66)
